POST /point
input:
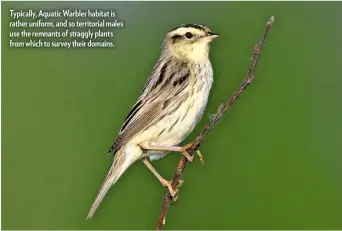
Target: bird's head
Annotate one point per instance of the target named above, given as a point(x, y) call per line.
point(189, 41)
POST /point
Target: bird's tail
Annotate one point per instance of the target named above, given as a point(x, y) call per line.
point(119, 166)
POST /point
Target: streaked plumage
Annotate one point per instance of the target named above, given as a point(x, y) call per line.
point(170, 105)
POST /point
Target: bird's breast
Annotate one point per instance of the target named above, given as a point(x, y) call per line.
point(174, 128)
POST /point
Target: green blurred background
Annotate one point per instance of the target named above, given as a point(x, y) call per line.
point(274, 161)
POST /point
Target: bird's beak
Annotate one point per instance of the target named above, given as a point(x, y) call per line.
point(213, 35)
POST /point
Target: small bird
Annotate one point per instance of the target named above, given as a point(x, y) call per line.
point(168, 108)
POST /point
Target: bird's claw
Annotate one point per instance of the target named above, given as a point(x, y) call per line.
point(175, 198)
point(200, 156)
point(173, 192)
point(180, 183)
point(189, 157)
point(176, 195)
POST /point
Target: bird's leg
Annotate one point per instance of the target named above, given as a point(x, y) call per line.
point(169, 148)
point(180, 149)
point(166, 183)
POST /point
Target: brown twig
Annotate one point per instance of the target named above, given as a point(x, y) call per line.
point(214, 120)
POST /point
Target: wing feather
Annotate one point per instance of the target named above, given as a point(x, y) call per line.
point(159, 96)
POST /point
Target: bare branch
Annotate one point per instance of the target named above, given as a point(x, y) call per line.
point(214, 120)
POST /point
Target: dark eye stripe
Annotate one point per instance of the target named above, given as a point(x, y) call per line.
point(175, 38)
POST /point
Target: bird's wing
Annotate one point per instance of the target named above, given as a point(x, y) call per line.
point(162, 94)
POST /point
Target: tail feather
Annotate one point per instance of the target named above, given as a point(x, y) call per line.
point(118, 167)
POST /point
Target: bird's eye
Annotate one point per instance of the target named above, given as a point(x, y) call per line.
point(188, 35)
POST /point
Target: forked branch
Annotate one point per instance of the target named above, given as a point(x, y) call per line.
point(214, 120)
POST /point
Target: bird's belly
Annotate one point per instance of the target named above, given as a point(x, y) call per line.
point(174, 128)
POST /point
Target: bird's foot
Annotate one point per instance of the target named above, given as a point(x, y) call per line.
point(189, 157)
point(173, 192)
